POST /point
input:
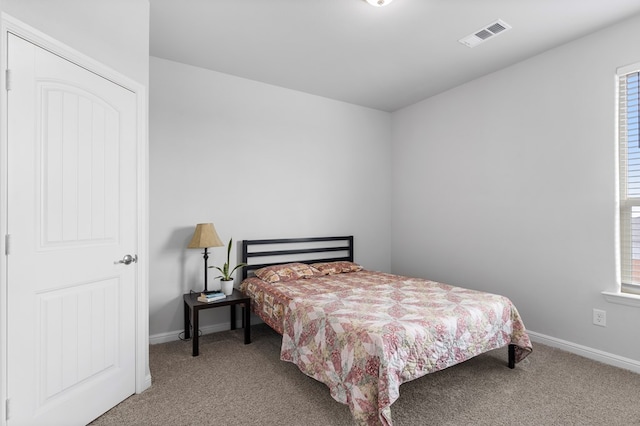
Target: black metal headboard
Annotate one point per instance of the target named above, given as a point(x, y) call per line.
point(304, 250)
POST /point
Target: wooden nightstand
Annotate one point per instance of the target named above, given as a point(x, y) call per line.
point(192, 308)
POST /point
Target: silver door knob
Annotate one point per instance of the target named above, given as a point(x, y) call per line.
point(127, 259)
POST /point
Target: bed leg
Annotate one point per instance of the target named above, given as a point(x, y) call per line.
point(512, 356)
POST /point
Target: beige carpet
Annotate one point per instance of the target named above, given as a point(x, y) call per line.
point(235, 384)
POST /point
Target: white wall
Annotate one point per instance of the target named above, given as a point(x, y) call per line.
point(507, 184)
point(258, 161)
point(113, 32)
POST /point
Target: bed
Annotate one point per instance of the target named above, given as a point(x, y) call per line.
point(364, 333)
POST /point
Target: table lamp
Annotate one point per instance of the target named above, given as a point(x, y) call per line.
point(205, 236)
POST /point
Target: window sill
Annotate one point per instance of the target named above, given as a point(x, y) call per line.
point(622, 298)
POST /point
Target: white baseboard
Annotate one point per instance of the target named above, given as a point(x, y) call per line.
point(147, 382)
point(587, 352)
point(172, 336)
point(594, 354)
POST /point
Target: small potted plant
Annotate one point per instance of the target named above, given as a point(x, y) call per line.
point(226, 280)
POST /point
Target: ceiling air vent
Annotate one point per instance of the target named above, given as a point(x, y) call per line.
point(484, 34)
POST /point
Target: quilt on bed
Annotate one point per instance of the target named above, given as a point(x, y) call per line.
point(370, 332)
point(270, 300)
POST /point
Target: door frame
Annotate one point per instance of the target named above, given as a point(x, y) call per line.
point(8, 24)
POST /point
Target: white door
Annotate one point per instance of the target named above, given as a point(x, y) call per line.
point(71, 215)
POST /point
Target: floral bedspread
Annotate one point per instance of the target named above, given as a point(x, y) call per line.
point(270, 300)
point(374, 331)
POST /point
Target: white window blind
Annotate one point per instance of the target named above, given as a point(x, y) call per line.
point(629, 165)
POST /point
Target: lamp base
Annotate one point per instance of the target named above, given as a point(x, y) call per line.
point(206, 258)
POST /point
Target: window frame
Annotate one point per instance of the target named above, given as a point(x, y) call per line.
point(625, 204)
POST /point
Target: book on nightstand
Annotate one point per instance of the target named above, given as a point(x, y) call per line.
point(211, 297)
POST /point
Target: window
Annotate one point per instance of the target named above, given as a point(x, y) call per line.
point(629, 166)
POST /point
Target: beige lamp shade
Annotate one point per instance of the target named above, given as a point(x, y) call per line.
point(205, 236)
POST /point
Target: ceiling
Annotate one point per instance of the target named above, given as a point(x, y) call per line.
point(379, 57)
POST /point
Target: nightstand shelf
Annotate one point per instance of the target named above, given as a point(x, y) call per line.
point(192, 308)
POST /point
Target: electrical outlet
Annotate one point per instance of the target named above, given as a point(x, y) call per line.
point(600, 317)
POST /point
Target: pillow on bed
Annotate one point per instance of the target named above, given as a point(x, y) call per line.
point(332, 268)
point(285, 272)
